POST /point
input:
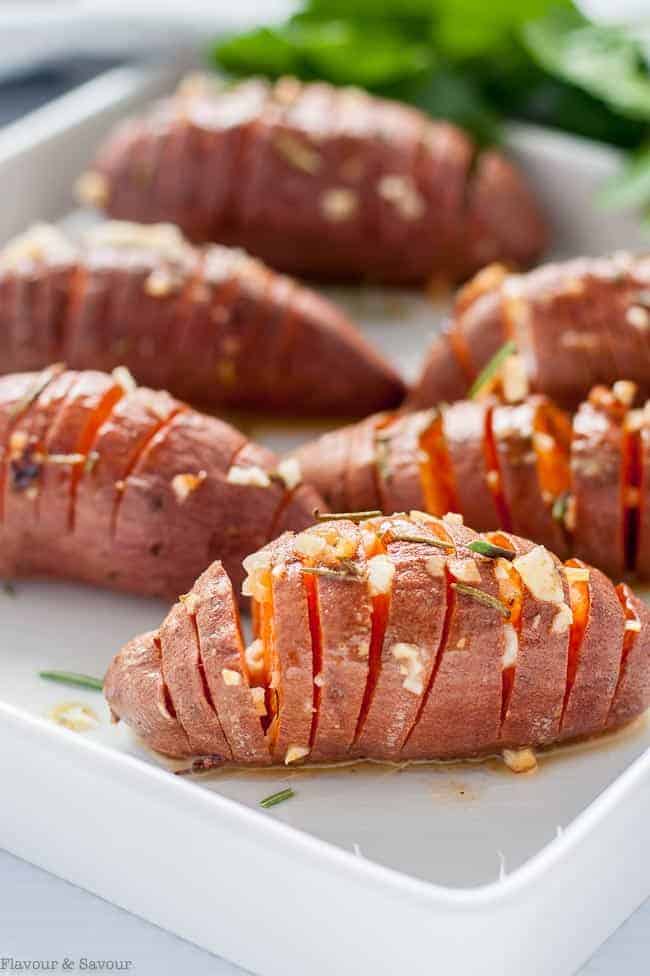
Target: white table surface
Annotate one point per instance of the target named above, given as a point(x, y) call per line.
point(42, 917)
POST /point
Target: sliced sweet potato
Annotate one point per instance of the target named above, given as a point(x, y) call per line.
point(132, 489)
point(402, 637)
point(322, 181)
point(212, 324)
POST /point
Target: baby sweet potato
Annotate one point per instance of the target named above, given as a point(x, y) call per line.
point(576, 324)
point(319, 181)
point(124, 487)
point(210, 324)
point(406, 637)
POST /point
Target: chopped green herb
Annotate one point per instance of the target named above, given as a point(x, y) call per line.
point(560, 506)
point(275, 798)
point(482, 597)
point(73, 678)
point(486, 548)
point(346, 516)
point(489, 372)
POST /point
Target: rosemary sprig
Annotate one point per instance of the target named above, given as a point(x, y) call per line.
point(426, 540)
point(330, 573)
point(275, 798)
point(488, 372)
point(486, 548)
point(482, 597)
point(560, 506)
point(200, 765)
point(349, 516)
point(73, 678)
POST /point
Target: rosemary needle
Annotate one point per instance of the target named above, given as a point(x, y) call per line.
point(73, 678)
point(489, 372)
point(275, 798)
point(485, 548)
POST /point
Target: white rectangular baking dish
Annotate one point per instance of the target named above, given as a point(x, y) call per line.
point(464, 869)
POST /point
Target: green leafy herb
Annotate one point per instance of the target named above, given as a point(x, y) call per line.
point(275, 798)
point(486, 548)
point(426, 540)
point(489, 372)
point(601, 60)
point(73, 678)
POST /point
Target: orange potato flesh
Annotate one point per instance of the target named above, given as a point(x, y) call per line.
point(435, 472)
point(380, 606)
point(579, 602)
point(512, 593)
point(553, 469)
point(631, 494)
point(492, 466)
point(316, 643)
point(624, 594)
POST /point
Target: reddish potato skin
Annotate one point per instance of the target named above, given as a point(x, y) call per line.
point(597, 485)
point(408, 203)
point(211, 324)
point(464, 425)
point(633, 687)
point(121, 520)
point(599, 657)
point(469, 657)
point(530, 514)
point(576, 323)
point(536, 701)
point(135, 690)
point(458, 712)
point(220, 643)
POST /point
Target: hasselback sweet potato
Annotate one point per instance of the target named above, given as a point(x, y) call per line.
point(320, 181)
point(122, 486)
point(576, 484)
point(576, 324)
point(406, 637)
point(210, 324)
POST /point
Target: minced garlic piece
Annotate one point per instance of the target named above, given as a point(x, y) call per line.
point(309, 544)
point(254, 476)
point(464, 570)
point(275, 680)
point(298, 154)
point(539, 572)
point(543, 442)
point(562, 619)
point(165, 240)
point(42, 242)
point(339, 204)
point(258, 567)
point(259, 700)
point(289, 471)
point(520, 760)
point(319, 679)
point(625, 392)
point(381, 570)
point(92, 188)
point(75, 716)
point(633, 625)
point(411, 666)
point(638, 317)
point(454, 518)
point(577, 574)
point(184, 484)
point(511, 646)
point(514, 379)
point(435, 566)
point(254, 657)
point(294, 753)
point(230, 677)
point(190, 601)
point(493, 480)
point(123, 378)
point(403, 194)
